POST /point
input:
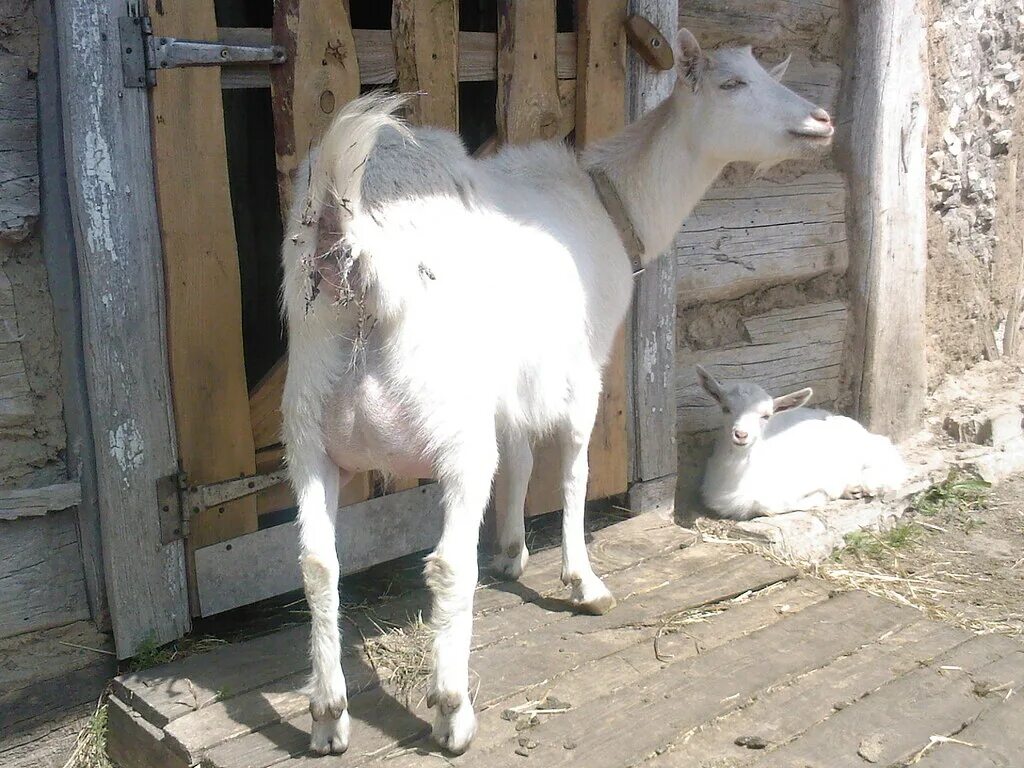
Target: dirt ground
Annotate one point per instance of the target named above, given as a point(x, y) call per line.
point(957, 557)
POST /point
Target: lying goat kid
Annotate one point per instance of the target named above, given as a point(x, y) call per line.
point(772, 456)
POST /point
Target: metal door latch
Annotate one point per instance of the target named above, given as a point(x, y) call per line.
point(143, 53)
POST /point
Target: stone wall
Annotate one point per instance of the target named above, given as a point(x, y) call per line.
point(976, 52)
point(32, 436)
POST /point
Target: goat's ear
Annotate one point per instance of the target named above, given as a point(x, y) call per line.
point(792, 400)
point(711, 385)
point(779, 70)
point(691, 63)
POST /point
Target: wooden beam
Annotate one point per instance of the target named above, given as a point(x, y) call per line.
point(600, 113)
point(109, 174)
point(478, 57)
point(652, 345)
point(204, 309)
point(528, 106)
point(320, 75)
point(425, 35)
point(58, 242)
point(36, 502)
point(265, 406)
point(882, 150)
point(266, 563)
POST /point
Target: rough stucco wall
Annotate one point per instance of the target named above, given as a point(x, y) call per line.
point(976, 49)
point(32, 436)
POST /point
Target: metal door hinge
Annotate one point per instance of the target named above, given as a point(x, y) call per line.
point(179, 501)
point(143, 53)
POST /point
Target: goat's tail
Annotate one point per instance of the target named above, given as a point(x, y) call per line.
point(328, 190)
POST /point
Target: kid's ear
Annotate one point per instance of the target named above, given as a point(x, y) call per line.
point(792, 400)
point(779, 70)
point(711, 385)
point(691, 63)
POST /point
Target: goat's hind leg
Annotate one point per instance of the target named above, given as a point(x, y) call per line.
point(451, 574)
point(317, 483)
point(509, 500)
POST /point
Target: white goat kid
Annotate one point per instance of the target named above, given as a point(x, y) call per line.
point(495, 288)
point(773, 456)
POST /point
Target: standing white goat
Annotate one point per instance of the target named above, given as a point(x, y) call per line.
point(473, 304)
point(773, 456)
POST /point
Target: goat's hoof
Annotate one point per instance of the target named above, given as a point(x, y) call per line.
point(509, 564)
point(330, 735)
point(593, 597)
point(455, 723)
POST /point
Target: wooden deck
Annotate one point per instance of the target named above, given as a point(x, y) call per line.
point(713, 659)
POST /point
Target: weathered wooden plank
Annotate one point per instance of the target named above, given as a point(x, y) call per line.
point(742, 238)
point(936, 699)
point(478, 57)
point(600, 113)
point(204, 310)
point(653, 319)
point(265, 406)
point(425, 34)
point(528, 106)
point(41, 579)
point(171, 691)
point(707, 686)
point(58, 246)
point(19, 168)
point(996, 738)
point(320, 75)
point(34, 502)
point(789, 349)
point(107, 143)
point(134, 743)
point(778, 23)
point(882, 150)
point(785, 713)
point(265, 563)
point(588, 681)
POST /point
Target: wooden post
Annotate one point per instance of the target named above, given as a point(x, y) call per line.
point(110, 179)
point(601, 112)
point(653, 319)
point(58, 240)
point(528, 105)
point(883, 126)
point(425, 34)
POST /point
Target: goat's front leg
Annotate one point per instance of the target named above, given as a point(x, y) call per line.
point(451, 574)
point(317, 483)
point(509, 500)
point(589, 593)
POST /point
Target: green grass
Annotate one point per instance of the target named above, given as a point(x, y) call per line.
point(91, 748)
point(149, 654)
point(958, 493)
point(872, 544)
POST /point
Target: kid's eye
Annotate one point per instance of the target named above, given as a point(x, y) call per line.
point(730, 85)
point(765, 417)
point(726, 410)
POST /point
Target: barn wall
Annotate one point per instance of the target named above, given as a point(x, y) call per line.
point(761, 261)
point(976, 50)
point(41, 574)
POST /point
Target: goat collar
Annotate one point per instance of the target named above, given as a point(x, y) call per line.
point(617, 212)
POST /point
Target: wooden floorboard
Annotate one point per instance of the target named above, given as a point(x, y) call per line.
point(708, 644)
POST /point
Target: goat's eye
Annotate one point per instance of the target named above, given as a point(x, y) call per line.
point(726, 411)
point(733, 84)
point(765, 416)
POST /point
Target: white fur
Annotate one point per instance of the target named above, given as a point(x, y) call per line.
point(497, 287)
point(774, 456)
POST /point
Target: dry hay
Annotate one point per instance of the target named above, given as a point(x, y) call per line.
point(400, 655)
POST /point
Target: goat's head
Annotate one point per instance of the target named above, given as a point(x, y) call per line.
point(744, 112)
point(747, 408)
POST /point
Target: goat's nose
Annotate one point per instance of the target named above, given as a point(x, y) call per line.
point(821, 115)
point(739, 434)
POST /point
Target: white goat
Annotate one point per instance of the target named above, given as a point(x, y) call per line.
point(495, 289)
point(773, 456)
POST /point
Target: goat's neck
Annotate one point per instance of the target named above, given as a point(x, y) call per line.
point(659, 170)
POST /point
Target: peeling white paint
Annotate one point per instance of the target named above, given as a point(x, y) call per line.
point(127, 446)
